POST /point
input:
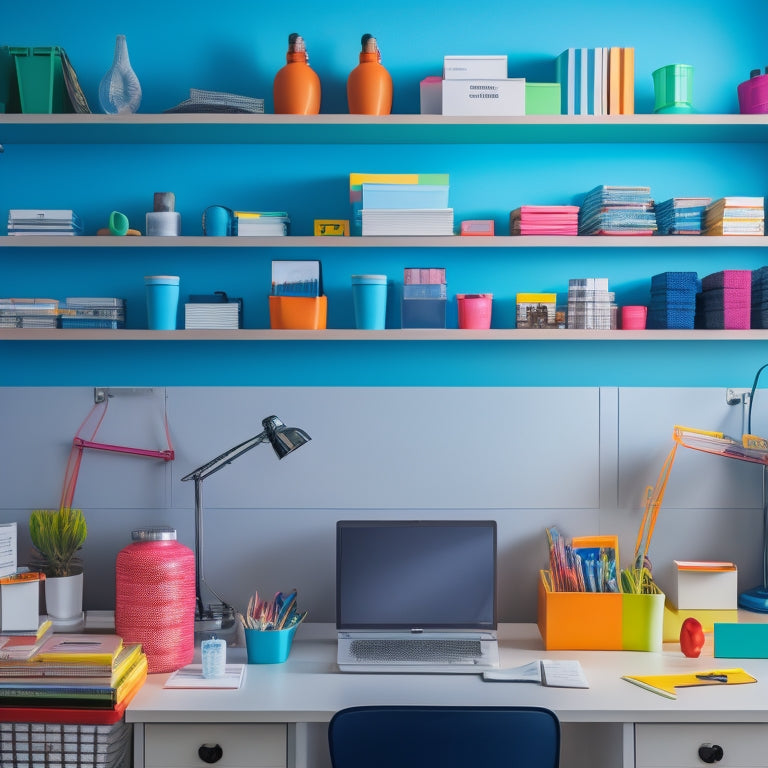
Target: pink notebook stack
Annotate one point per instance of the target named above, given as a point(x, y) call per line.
point(725, 301)
point(544, 220)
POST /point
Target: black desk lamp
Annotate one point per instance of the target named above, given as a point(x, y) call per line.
point(220, 617)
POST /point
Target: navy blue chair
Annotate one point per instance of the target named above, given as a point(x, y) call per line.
point(444, 737)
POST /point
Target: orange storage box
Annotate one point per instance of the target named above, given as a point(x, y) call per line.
point(298, 312)
point(603, 621)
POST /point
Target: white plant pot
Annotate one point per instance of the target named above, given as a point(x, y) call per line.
point(64, 596)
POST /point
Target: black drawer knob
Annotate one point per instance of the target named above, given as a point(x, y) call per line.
point(711, 753)
point(212, 753)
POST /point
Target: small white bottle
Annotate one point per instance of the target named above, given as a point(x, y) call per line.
point(214, 657)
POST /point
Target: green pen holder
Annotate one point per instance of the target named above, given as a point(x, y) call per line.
point(269, 646)
point(673, 89)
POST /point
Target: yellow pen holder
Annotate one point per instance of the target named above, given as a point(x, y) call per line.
point(589, 621)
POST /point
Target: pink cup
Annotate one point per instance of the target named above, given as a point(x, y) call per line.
point(633, 318)
point(474, 310)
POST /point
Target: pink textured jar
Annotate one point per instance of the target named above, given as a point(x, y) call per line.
point(155, 598)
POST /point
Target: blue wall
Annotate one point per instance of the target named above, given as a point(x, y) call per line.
point(238, 47)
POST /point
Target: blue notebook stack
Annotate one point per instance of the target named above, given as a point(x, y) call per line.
point(612, 210)
point(673, 300)
point(681, 215)
point(760, 298)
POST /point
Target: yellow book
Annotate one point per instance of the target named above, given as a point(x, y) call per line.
point(627, 81)
point(665, 685)
point(80, 648)
point(614, 81)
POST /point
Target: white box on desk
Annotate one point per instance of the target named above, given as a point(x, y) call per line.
point(496, 98)
point(704, 585)
point(20, 606)
point(475, 67)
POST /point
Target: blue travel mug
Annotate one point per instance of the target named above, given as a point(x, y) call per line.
point(369, 295)
point(162, 301)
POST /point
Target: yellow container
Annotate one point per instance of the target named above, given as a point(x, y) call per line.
point(590, 621)
point(298, 312)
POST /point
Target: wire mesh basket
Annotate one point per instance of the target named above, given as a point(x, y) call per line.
point(56, 745)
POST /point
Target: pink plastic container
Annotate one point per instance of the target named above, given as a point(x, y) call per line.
point(753, 95)
point(474, 310)
point(633, 318)
point(155, 598)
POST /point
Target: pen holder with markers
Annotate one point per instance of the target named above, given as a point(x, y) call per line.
point(269, 646)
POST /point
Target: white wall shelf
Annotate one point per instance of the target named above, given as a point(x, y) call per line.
point(390, 129)
point(398, 334)
point(502, 241)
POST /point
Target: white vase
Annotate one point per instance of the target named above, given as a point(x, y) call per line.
point(64, 597)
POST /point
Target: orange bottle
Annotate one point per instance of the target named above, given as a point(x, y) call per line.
point(369, 85)
point(296, 88)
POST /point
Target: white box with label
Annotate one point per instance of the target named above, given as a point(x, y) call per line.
point(704, 585)
point(475, 67)
point(484, 97)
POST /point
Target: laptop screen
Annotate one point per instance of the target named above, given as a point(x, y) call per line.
point(408, 574)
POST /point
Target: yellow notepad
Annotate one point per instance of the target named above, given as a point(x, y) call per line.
point(665, 685)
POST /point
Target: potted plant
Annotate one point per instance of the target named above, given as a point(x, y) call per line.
point(57, 537)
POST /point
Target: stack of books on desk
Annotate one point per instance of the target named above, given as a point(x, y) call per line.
point(681, 215)
point(44, 221)
point(29, 313)
point(74, 672)
point(616, 210)
point(544, 220)
point(735, 216)
point(93, 312)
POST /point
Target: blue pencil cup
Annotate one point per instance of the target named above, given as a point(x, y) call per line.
point(369, 295)
point(269, 646)
point(162, 301)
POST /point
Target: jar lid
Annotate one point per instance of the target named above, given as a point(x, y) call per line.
point(154, 533)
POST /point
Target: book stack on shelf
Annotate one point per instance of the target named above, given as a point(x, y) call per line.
point(590, 304)
point(735, 216)
point(261, 223)
point(72, 674)
point(201, 101)
point(681, 215)
point(760, 298)
point(544, 220)
point(400, 204)
point(725, 300)
point(44, 222)
point(616, 210)
point(596, 81)
point(29, 313)
point(673, 300)
point(213, 311)
point(93, 312)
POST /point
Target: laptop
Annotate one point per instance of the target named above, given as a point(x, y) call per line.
point(416, 596)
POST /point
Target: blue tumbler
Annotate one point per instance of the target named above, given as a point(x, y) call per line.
point(369, 294)
point(162, 301)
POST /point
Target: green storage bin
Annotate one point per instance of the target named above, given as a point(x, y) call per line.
point(40, 78)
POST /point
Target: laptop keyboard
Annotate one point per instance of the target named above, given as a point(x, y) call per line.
point(387, 651)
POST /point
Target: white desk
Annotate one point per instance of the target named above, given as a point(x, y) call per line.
point(613, 723)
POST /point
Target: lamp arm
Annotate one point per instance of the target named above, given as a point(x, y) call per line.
point(214, 465)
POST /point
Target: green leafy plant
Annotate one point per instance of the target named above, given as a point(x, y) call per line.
point(638, 581)
point(57, 536)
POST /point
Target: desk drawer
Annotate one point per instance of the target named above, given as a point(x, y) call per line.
point(243, 745)
point(677, 746)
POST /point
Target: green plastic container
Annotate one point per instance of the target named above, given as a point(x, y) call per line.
point(40, 80)
point(673, 89)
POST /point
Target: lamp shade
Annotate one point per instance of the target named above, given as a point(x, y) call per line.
point(283, 439)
